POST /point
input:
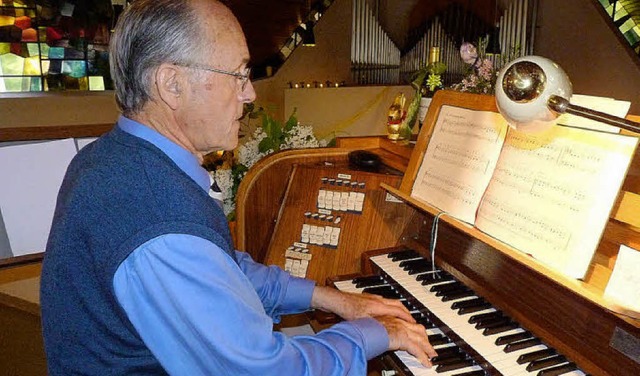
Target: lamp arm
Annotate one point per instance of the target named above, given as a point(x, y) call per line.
point(562, 105)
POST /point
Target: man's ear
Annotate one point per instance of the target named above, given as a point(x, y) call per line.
point(169, 82)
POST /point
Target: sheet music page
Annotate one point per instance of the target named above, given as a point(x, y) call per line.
point(551, 193)
point(459, 160)
point(624, 283)
point(31, 177)
point(607, 105)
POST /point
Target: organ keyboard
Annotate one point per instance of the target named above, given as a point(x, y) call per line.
point(471, 337)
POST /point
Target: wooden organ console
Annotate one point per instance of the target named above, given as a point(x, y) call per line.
point(558, 325)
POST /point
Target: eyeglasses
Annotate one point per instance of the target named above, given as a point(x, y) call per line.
point(242, 77)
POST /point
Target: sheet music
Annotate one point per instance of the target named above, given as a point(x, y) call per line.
point(551, 194)
point(31, 177)
point(624, 283)
point(459, 160)
point(607, 105)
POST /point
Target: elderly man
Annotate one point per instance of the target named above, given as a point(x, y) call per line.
point(140, 276)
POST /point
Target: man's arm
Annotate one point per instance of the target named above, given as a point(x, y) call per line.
point(404, 333)
point(199, 315)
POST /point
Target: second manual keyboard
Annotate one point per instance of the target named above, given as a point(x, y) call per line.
point(472, 338)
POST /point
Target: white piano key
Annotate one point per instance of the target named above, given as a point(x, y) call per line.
point(574, 373)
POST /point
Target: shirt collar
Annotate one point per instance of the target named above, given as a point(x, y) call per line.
point(186, 161)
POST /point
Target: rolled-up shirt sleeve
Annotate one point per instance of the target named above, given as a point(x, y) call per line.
point(200, 313)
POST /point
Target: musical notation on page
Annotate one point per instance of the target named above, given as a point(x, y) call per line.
point(459, 160)
point(562, 183)
point(547, 194)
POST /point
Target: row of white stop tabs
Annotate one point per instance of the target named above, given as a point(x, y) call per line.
point(320, 235)
point(297, 268)
point(342, 201)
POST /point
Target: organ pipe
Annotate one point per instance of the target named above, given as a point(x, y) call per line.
point(375, 59)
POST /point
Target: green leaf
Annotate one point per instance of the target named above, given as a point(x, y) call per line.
point(438, 68)
point(292, 121)
point(419, 79)
point(266, 124)
point(412, 112)
point(266, 144)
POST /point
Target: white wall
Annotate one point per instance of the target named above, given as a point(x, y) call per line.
point(345, 111)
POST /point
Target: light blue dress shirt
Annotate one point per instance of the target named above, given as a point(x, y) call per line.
point(200, 313)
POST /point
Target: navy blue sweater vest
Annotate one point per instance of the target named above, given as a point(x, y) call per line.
point(119, 192)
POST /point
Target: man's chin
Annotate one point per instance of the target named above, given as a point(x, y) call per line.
point(231, 143)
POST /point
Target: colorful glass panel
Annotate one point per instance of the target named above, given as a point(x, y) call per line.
point(32, 66)
point(96, 83)
point(55, 45)
point(11, 64)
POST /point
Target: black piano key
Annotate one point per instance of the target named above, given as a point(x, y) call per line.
point(522, 344)
point(454, 366)
point(535, 355)
point(429, 282)
point(384, 291)
point(413, 263)
point(447, 352)
point(446, 290)
point(472, 309)
point(438, 274)
point(371, 280)
point(419, 269)
point(469, 303)
point(492, 321)
point(453, 295)
point(483, 316)
point(558, 370)
point(448, 359)
point(450, 291)
point(438, 339)
point(423, 319)
point(378, 289)
point(403, 255)
point(493, 330)
point(505, 340)
point(446, 286)
point(407, 305)
point(427, 323)
point(546, 363)
point(418, 316)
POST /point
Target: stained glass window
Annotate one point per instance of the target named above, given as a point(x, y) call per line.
point(49, 45)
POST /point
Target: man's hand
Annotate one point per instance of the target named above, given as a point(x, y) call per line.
point(409, 337)
point(352, 306)
point(404, 333)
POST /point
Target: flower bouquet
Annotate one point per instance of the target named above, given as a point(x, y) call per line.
point(481, 75)
point(271, 136)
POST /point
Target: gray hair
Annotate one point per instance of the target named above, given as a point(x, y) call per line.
point(148, 34)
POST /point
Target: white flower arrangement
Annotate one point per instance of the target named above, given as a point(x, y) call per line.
point(272, 136)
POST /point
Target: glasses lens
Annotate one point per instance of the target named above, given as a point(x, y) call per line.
point(245, 79)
